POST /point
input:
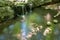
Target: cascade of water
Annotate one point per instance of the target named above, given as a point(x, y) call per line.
point(23, 25)
point(23, 30)
point(30, 5)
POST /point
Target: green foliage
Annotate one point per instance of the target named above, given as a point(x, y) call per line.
point(39, 2)
point(5, 3)
point(6, 12)
point(35, 18)
point(17, 28)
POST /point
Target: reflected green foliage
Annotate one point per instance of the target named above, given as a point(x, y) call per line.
point(17, 28)
point(6, 11)
point(35, 18)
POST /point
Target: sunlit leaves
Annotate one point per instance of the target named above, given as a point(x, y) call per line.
point(5, 3)
point(6, 11)
point(40, 2)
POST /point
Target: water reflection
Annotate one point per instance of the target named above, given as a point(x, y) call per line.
point(24, 31)
point(8, 32)
point(23, 28)
point(7, 35)
point(2, 37)
point(57, 34)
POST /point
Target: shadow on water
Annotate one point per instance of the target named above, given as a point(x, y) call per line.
point(7, 35)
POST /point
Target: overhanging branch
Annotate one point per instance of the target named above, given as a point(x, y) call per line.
point(49, 3)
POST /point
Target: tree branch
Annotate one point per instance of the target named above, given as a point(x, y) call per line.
point(49, 3)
